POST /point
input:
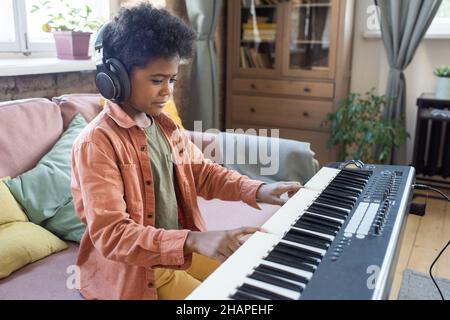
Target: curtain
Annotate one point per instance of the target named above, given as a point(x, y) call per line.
point(204, 88)
point(403, 26)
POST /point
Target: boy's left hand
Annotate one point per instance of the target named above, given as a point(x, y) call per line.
point(271, 193)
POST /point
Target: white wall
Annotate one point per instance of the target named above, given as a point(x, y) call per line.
point(370, 67)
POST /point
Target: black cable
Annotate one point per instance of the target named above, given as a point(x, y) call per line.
point(425, 187)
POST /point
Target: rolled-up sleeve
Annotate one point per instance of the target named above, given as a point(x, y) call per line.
point(98, 192)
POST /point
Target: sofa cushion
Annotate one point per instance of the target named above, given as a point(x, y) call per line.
point(88, 105)
point(28, 130)
point(10, 210)
point(44, 192)
point(22, 243)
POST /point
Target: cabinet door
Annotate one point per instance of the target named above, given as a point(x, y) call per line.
point(310, 38)
point(256, 39)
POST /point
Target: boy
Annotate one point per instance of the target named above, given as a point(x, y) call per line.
point(136, 176)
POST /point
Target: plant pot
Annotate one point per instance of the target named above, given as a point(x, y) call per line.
point(443, 88)
point(71, 45)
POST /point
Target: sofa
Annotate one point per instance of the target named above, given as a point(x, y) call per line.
point(28, 130)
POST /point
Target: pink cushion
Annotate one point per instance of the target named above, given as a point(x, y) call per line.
point(28, 130)
point(88, 105)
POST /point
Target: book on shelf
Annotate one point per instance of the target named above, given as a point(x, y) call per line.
point(259, 26)
point(251, 58)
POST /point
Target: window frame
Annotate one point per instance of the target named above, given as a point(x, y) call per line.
point(439, 28)
point(22, 43)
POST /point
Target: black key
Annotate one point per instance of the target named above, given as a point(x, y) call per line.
point(305, 251)
point(340, 194)
point(348, 184)
point(363, 173)
point(342, 185)
point(322, 219)
point(334, 209)
point(348, 192)
point(334, 203)
point(281, 273)
point(315, 228)
point(239, 295)
point(290, 261)
point(251, 289)
point(327, 211)
point(301, 256)
point(339, 199)
point(322, 222)
point(306, 241)
point(275, 281)
point(356, 180)
point(310, 235)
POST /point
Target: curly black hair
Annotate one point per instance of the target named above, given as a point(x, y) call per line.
point(142, 33)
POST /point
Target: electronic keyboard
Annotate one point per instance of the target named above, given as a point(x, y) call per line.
point(336, 238)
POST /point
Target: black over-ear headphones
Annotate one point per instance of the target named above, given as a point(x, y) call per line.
point(112, 78)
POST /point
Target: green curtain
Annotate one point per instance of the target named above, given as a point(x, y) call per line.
point(204, 93)
point(403, 26)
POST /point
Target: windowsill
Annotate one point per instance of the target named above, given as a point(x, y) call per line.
point(375, 35)
point(45, 65)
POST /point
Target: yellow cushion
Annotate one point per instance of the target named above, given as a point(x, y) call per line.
point(22, 243)
point(170, 109)
point(10, 210)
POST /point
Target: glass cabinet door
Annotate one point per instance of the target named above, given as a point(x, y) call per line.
point(311, 36)
point(258, 35)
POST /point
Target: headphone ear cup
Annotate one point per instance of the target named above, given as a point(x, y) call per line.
point(107, 83)
point(123, 80)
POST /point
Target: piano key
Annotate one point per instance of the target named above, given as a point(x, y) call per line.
point(316, 253)
point(281, 273)
point(363, 173)
point(313, 214)
point(306, 241)
point(306, 274)
point(321, 220)
point(326, 212)
point(301, 256)
point(254, 287)
point(337, 198)
point(340, 194)
point(290, 211)
point(341, 204)
point(219, 285)
point(334, 208)
point(322, 179)
point(316, 228)
point(345, 191)
point(311, 235)
point(239, 295)
point(350, 181)
point(289, 261)
point(267, 278)
point(345, 187)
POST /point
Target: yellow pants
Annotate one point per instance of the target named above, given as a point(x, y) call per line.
point(178, 284)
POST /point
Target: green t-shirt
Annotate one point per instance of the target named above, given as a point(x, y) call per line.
point(166, 209)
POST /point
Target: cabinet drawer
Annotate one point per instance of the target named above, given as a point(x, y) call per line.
point(285, 87)
point(289, 113)
point(318, 140)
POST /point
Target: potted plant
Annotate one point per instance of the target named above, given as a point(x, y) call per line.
point(360, 132)
point(71, 27)
point(443, 82)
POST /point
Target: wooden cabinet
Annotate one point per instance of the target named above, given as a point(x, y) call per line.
point(288, 65)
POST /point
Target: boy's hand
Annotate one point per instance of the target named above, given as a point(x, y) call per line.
point(270, 193)
point(217, 245)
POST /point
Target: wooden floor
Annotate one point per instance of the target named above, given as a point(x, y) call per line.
point(423, 240)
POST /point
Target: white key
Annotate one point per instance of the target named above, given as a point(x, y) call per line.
point(272, 288)
point(288, 214)
point(301, 245)
point(322, 179)
point(305, 274)
point(232, 273)
point(316, 233)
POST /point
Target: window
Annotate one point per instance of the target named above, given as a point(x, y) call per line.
point(440, 27)
point(22, 29)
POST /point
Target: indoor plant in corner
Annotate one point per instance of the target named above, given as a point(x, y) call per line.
point(360, 132)
point(71, 27)
point(443, 82)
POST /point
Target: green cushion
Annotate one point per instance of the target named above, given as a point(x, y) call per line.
point(44, 191)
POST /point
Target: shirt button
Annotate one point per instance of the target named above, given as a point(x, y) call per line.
point(143, 148)
point(150, 284)
point(148, 182)
point(149, 216)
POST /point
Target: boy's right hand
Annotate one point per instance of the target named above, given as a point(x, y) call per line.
point(217, 245)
